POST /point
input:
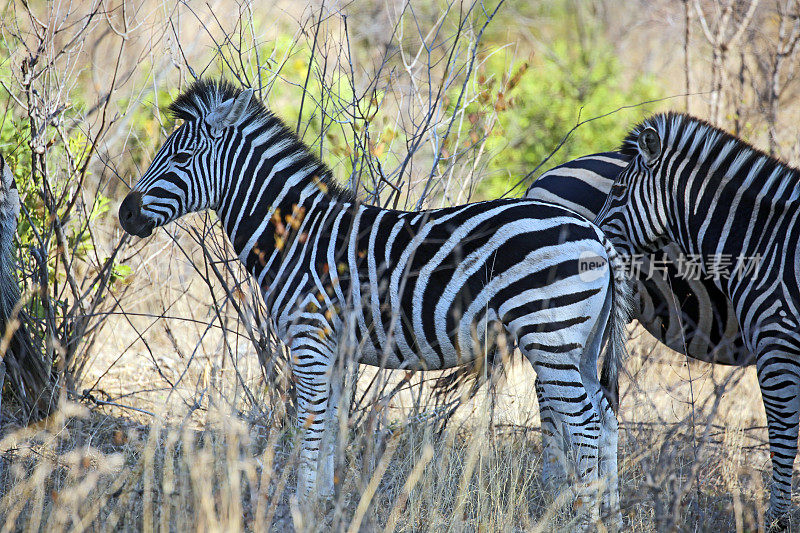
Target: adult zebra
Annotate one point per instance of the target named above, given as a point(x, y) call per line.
point(429, 290)
point(688, 314)
point(720, 199)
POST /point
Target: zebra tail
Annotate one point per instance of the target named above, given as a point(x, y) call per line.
point(616, 334)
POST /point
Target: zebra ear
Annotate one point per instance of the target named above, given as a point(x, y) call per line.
point(649, 145)
point(230, 112)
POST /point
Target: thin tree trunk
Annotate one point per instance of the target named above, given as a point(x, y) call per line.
point(738, 103)
point(687, 38)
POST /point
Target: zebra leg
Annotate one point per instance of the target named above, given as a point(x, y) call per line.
point(576, 418)
point(608, 449)
point(608, 445)
point(311, 370)
point(554, 461)
point(330, 438)
point(780, 392)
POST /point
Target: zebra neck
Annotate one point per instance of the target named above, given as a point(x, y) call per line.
point(721, 211)
point(271, 173)
point(269, 233)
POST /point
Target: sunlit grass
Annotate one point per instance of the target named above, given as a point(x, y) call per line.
point(218, 471)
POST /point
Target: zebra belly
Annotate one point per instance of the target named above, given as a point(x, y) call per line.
point(430, 291)
point(542, 320)
point(410, 356)
point(687, 313)
point(354, 333)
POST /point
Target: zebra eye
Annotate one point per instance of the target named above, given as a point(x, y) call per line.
point(182, 157)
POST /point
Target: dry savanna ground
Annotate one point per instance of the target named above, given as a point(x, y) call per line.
point(692, 456)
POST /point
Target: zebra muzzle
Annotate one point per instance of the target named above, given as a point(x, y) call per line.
point(131, 218)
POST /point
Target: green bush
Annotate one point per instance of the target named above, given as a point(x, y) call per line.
point(574, 75)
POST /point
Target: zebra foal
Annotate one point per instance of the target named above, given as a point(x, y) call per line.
point(717, 197)
point(421, 290)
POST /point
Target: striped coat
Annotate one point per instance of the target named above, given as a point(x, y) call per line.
point(422, 290)
point(716, 197)
point(686, 312)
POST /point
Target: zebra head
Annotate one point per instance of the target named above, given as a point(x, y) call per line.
point(184, 176)
point(634, 213)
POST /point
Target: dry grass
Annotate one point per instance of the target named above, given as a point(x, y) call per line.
point(695, 468)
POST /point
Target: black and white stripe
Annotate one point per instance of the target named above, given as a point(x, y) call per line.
point(423, 290)
point(21, 362)
point(713, 195)
point(690, 315)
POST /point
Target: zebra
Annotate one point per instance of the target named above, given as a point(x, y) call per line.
point(412, 290)
point(689, 315)
point(706, 327)
point(21, 361)
point(717, 197)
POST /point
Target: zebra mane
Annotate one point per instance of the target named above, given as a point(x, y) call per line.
point(678, 129)
point(203, 95)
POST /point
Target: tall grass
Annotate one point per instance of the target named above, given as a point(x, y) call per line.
point(83, 469)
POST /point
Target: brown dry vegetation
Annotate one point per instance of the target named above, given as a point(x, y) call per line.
point(679, 465)
point(175, 412)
